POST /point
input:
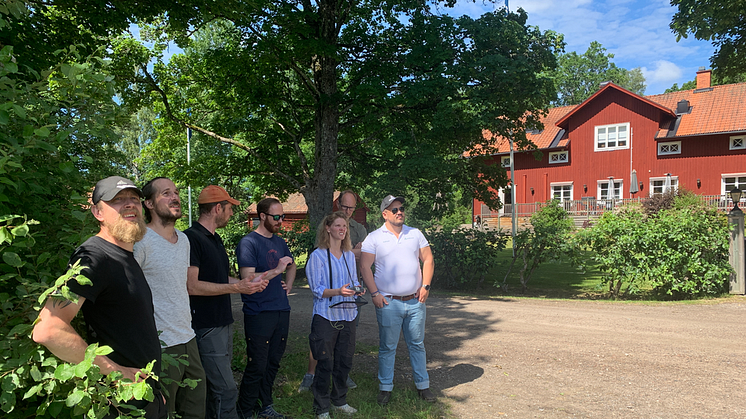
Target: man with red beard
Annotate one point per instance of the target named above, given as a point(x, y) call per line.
point(209, 284)
point(163, 255)
point(267, 313)
point(117, 306)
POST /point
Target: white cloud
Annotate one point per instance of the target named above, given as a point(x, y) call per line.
point(664, 72)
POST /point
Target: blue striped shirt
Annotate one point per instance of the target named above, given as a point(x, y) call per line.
point(317, 272)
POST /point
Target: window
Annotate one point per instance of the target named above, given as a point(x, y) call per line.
point(505, 161)
point(562, 191)
point(673, 147)
point(603, 189)
point(612, 137)
point(559, 157)
point(738, 142)
point(730, 181)
point(658, 185)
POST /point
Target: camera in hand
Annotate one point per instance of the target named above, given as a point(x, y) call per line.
point(357, 288)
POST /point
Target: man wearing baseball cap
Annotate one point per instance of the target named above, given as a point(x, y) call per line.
point(209, 284)
point(399, 290)
point(117, 306)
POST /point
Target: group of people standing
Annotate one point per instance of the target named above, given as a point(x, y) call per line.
point(152, 278)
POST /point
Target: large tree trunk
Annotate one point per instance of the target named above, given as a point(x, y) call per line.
point(319, 189)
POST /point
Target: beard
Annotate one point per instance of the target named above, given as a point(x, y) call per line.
point(166, 215)
point(128, 231)
point(270, 226)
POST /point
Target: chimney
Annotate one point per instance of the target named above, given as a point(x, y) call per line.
point(703, 78)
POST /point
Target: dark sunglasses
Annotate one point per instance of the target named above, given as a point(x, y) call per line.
point(276, 217)
point(396, 210)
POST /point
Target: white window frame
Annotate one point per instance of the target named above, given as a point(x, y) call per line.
point(562, 185)
point(725, 190)
point(653, 186)
point(505, 161)
point(669, 148)
point(737, 142)
point(559, 157)
point(602, 131)
point(602, 185)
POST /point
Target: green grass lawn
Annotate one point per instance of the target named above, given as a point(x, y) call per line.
point(404, 404)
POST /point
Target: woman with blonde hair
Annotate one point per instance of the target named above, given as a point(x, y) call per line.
point(332, 277)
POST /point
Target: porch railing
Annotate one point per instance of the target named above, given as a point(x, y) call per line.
point(591, 207)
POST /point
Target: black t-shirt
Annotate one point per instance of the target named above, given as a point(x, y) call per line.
point(118, 307)
point(208, 254)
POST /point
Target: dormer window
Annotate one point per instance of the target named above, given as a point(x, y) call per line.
point(738, 142)
point(672, 147)
point(612, 137)
point(559, 157)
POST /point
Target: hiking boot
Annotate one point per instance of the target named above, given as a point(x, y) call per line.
point(345, 408)
point(305, 384)
point(384, 397)
point(269, 412)
point(427, 395)
point(350, 384)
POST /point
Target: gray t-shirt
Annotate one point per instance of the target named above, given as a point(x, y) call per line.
point(165, 267)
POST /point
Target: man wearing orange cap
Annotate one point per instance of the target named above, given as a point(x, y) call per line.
point(209, 284)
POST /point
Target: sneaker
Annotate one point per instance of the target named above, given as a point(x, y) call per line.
point(345, 408)
point(269, 412)
point(324, 415)
point(384, 397)
point(427, 395)
point(305, 384)
point(350, 384)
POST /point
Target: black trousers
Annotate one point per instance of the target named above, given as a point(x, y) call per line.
point(333, 346)
point(266, 338)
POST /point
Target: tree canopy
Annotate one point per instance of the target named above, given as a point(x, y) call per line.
point(299, 96)
point(721, 21)
point(579, 76)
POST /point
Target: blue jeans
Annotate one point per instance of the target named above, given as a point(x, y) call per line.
point(409, 317)
point(216, 349)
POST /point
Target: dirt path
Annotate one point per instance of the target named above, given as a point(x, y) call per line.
point(576, 359)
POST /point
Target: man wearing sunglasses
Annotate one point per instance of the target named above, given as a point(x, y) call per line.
point(266, 313)
point(399, 290)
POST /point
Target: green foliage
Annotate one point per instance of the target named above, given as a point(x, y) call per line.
point(690, 85)
point(549, 239)
point(718, 21)
point(300, 239)
point(579, 76)
point(464, 255)
point(680, 251)
point(285, 103)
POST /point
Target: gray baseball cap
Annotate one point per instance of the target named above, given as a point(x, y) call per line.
point(389, 199)
point(107, 189)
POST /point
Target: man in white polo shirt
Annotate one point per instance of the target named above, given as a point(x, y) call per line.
point(399, 290)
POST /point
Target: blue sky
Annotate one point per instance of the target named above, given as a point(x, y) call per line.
point(635, 31)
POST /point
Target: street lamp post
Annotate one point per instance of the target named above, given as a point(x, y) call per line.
point(736, 251)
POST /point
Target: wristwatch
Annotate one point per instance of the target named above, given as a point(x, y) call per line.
point(426, 287)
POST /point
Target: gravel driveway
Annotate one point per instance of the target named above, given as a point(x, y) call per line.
point(530, 358)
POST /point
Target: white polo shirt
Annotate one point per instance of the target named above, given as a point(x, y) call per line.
point(397, 263)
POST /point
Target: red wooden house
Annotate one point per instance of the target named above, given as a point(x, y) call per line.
point(618, 145)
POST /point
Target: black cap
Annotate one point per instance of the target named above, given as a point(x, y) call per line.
point(107, 189)
point(389, 200)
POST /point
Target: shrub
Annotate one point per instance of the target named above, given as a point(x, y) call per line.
point(681, 251)
point(463, 255)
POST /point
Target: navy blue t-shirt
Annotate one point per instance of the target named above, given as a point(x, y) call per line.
point(263, 254)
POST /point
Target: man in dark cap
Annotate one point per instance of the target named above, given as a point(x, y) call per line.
point(399, 290)
point(117, 306)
